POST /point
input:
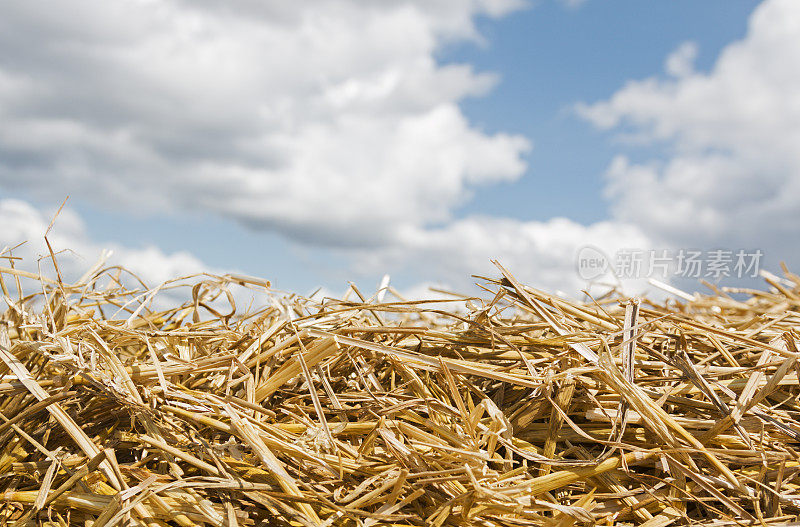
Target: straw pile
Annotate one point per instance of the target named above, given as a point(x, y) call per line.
point(517, 409)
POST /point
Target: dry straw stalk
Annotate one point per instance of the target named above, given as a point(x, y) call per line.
point(517, 409)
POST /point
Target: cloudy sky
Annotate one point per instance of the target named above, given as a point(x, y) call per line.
point(330, 140)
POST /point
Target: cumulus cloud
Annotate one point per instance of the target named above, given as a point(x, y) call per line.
point(329, 121)
point(542, 254)
point(168, 277)
point(680, 63)
point(24, 228)
point(731, 171)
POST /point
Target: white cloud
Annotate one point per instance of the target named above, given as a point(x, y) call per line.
point(731, 176)
point(542, 254)
point(329, 120)
point(76, 252)
point(22, 236)
point(680, 63)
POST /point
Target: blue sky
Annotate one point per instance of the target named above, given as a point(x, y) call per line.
point(320, 143)
point(549, 57)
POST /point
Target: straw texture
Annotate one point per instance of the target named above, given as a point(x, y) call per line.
point(518, 408)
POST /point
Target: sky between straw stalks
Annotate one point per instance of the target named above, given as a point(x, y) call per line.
point(316, 142)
